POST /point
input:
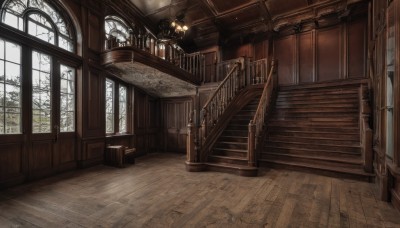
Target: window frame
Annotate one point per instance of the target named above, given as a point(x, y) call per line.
point(116, 103)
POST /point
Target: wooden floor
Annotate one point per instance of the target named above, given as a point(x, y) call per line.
point(158, 192)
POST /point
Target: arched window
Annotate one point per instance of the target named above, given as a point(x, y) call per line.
point(116, 27)
point(39, 19)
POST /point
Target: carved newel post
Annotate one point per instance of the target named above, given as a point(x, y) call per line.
point(190, 147)
point(251, 145)
point(366, 134)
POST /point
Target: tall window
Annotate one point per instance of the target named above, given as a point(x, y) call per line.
point(67, 99)
point(46, 23)
point(41, 93)
point(10, 88)
point(122, 109)
point(110, 106)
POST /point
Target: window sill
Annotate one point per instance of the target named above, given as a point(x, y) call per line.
point(119, 135)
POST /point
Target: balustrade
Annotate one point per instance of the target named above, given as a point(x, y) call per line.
point(257, 123)
point(193, 63)
point(220, 99)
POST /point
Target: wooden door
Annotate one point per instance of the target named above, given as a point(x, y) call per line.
point(176, 120)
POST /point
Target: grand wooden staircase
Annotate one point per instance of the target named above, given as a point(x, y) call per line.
point(230, 152)
point(316, 129)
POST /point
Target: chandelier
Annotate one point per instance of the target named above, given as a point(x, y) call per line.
point(171, 30)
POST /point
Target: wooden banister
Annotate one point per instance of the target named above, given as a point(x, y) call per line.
point(220, 99)
point(257, 123)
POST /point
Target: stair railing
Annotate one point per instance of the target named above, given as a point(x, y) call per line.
point(257, 71)
point(257, 123)
point(193, 63)
point(220, 99)
point(366, 134)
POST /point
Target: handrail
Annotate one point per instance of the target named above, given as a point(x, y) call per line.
point(257, 123)
point(220, 99)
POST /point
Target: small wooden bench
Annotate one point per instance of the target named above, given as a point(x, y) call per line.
point(118, 155)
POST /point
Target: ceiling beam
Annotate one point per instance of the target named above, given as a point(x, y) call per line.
point(265, 12)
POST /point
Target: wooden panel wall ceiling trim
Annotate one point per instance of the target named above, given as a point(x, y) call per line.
point(215, 22)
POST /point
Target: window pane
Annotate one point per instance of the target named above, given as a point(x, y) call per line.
point(109, 106)
point(41, 93)
point(41, 32)
point(65, 44)
point(1, 49)
point(67, 99)
point(1, 71)
point(122, 109)
point(17, 6)
point(13, 73)
point(13, 53)
point(13, 21)
point(10, 89)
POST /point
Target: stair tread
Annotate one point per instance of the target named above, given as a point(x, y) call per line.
point(322, 167)
point(312, 138)
point(355, 160)
point(229, 149)
point(229, 142)
point(316, 144)
point(312, 150)
point(231, 165)
point(228, 157)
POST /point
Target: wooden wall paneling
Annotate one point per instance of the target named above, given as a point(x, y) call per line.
point(41, 159)
point(261, 50)
point(357, 46)
point(94, 111)
point(284, 51)
point(329, 53)
point(176, 113)
point(11, 171)
point(94, 152)
point(306, 58)
point(233, 52)
point(210, 66)
point(140, 121)
point(65, 149)
point(95, 35)
point(153, 133)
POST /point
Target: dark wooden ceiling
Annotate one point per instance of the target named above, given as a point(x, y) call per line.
point(214, 21)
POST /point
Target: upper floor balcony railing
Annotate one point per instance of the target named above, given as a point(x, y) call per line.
point(192, 63)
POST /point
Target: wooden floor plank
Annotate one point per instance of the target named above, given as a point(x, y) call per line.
point(158, 192)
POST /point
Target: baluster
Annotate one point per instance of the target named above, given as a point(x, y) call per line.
point(251, 144)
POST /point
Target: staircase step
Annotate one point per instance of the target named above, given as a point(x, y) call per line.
point(243, 127)
point(322, 110)
point(315, 117)
point(357, 174)
point(310, 152)
point(314, 146)
point(230, 152)
point(232, 132)
point(228, 159)
point(352, 163)
point(317, 124)
point(316, 133)
point(231, 145)
point(342, 141)
point(242, 170)
point(314, 129)
point(312, 105)
point(325, 92)
point(319, 101)
point(232, 138)
point(315, 114)
point(333, 98)
point(239, 121)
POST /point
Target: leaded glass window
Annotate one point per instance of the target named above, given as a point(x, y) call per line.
point(116, 27)
point(48, 25)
